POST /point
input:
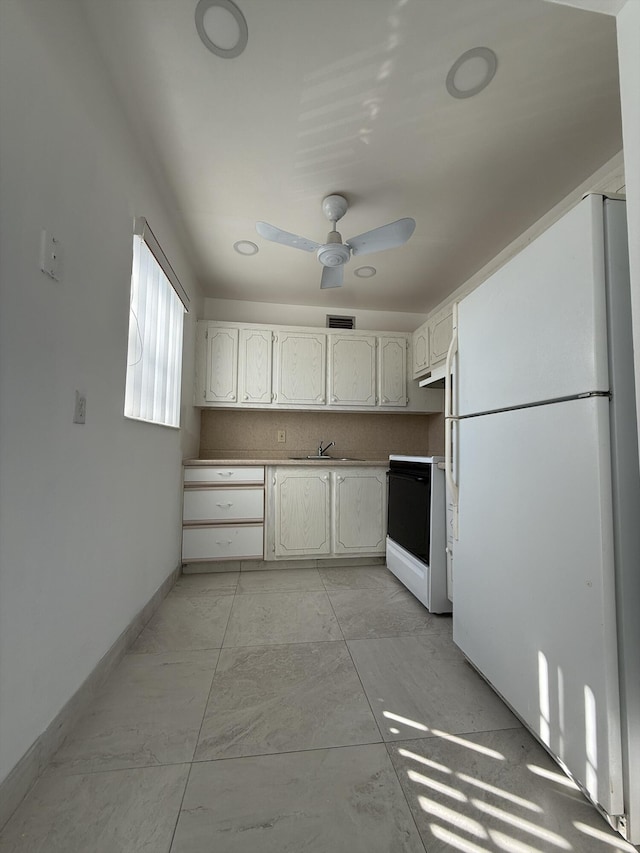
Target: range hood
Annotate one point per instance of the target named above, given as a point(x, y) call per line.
point(435, 378)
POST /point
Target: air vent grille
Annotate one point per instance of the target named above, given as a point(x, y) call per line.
point(336, 322)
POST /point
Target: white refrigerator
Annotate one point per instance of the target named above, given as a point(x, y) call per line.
point(544, 463)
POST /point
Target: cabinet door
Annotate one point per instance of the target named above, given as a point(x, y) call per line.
point(302, 515)
point(421, 350)
point(359, 511)
point(255, 362)
point(221, 375)
point(300, 368)
point(441, 328)
point(392, 371)
point(352, 370)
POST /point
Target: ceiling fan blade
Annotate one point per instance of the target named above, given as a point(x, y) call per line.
point(332, 277)
point(277, 235)
point(386, 237)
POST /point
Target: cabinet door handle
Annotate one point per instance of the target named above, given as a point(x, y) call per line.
point(246, 396)
point(340, 479)
point(385, 399)
point(334, 399)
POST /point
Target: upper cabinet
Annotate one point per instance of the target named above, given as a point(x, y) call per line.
point(300, 372)
point(221, 375)
point(392, 370)
point(352, 370)
point(431, 341)
point(440, 330)
point(245, 366)
point(255, 359)
point(421, 350)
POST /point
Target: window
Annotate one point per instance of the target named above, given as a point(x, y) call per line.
point(154, 360)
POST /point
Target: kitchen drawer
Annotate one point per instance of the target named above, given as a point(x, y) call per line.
point(219, 504)
point(222, 542)
point(223, 474)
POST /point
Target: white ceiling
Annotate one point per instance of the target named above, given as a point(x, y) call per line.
point(349, 96)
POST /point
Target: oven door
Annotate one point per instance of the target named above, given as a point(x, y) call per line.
point(408, 510)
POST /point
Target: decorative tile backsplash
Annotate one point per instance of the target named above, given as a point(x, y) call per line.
point(369, 435)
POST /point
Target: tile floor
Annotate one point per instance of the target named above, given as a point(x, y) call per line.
point(301, 710)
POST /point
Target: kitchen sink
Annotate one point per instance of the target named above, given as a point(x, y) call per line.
point(326, 458)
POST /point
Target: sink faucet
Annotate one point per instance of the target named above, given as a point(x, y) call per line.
point(322, 450)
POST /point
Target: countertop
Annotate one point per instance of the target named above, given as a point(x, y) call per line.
point(283, 460)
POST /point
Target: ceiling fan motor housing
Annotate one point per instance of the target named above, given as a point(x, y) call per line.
point(333, 253)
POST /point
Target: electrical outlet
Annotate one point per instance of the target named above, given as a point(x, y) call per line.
point(282, 436)
point(50, 255)
point(80, 410)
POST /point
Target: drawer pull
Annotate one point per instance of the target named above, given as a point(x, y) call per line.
point(225, 473)
point(227, 542)
point(222, 506)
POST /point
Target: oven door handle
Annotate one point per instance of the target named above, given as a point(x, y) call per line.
point(449, 418)
point(411, 477)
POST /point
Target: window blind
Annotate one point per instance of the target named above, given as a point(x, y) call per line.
point(154, 361)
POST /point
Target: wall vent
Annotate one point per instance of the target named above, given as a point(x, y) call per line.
point(336, 322)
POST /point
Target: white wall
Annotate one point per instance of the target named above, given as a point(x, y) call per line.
point(89, 515)
point(236, 311)
point(628, 30)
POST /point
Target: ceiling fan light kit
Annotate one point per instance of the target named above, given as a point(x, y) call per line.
point(334, 254)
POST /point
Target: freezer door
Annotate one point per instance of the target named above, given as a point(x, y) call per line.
point(536, 330)
point(534, 583)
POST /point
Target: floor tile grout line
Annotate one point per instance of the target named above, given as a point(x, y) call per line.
point(404, 794)
point(226, 628)
point(366, 695)
point(335, 616)
point(289, 752)
point(184, 793)
point(213, 678)
point(60, 772)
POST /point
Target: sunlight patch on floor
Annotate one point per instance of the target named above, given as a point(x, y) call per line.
point(524, 825)
point(454, 793)
point(459, 821)
point(499, 792)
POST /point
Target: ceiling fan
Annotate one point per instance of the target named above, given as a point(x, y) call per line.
point(334, 254)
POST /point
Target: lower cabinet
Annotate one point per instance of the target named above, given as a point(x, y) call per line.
point(223, 513)
point(311, 511)
point(325, 512)
point(301, 513)
point(359, 511)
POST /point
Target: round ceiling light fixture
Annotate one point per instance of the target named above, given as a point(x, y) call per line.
point(472, 72)
point(222, 27)
point(245, 247)
point(365, 272)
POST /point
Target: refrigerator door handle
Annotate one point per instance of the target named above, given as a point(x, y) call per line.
point(449, 418)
